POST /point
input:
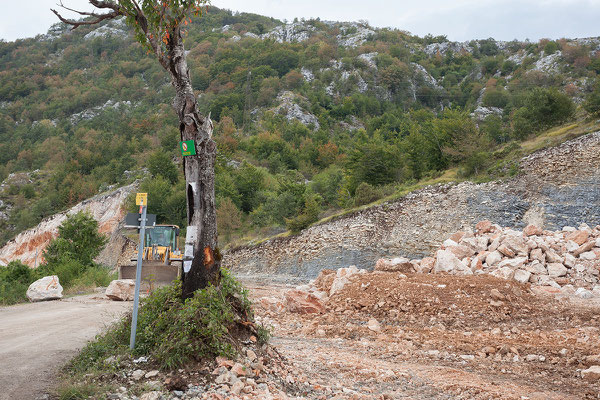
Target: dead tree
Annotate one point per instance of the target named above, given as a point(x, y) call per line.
point(158, 26)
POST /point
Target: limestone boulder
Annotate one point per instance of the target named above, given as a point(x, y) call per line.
point(537, 255)
point(556, 269)
point(505, 250)
point(588, 255)
point(584, 248)
point(522, 276)
point(461, 251)
point(426, 265)
point(579, 237)
point(570, 260)
point(483, 226)
point(46, 288)
point(517, 245)
point(342, 277)
point(571, 246)
point(446, 261)
point(536, 267)
point(449, 243)
point(272, 304)
point(121, 290)
point(325, 280)
point(301, 302)
point(504, 273)
point(553, 257)
point(493, 258)
point(398, 264)
point(478, 244)
point(513, 263)
point(532, 230)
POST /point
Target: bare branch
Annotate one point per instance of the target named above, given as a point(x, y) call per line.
point(97, 17)
point(105, 4)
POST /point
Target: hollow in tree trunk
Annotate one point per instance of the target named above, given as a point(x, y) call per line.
point(199, 170)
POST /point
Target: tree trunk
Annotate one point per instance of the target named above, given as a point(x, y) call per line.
point(201, 239)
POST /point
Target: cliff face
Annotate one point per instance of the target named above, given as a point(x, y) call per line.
point(557, 187)
point(105, 208)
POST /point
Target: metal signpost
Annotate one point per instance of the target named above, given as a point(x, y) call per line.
point(141, 199)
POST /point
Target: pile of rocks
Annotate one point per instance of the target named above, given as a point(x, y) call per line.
point(567, 260)
point(254, 374)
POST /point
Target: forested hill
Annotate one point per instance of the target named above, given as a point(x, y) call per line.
point(311, 117)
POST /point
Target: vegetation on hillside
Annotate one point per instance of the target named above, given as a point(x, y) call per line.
point(305, 128)
point(70, 256)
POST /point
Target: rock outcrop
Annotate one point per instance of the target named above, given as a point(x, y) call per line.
point(46, 288)
point(106, 208)
point(557, 187)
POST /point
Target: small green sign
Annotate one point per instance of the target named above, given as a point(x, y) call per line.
point(188, 148)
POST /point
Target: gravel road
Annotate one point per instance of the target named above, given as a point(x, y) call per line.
point(36, 339)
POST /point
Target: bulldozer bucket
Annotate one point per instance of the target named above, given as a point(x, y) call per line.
point(154, 273)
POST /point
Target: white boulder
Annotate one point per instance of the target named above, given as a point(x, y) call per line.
point(522, 276)
point(493, 258)
point(588, 255)
point(121, 290)
point(536, 267)
point(556, 269)
point(516, 262)
point(47, 288)
point(342, 278)
point(446, 261)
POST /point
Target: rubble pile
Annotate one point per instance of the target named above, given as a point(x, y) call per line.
point(566, 260)
point(258, 372)
point(492, 302)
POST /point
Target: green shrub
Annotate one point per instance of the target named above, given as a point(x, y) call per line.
point(592, 102)
point(12, 293)
point(495, 98)
point(308, 216)
point(78, 240)
point(160, 164)
point(173, 333)
point(366, 194)
point(28, 191)
point(550, 48)
point(474, 164)
point(95, 276)
point(15, 278)
point(542, 108)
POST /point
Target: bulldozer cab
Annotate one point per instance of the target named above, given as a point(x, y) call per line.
point(163, 236)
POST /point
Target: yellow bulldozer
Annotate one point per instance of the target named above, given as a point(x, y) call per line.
point(161, 258)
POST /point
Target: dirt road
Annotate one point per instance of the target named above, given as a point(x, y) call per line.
point(37, 339)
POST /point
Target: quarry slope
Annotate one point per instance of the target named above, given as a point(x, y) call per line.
point(556, 187)
point(106, 208)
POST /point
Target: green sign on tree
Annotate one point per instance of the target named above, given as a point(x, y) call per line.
point(187, 148)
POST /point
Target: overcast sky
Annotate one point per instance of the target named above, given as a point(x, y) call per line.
point(458, 19)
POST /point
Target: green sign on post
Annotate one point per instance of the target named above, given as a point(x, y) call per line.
point(188, 148)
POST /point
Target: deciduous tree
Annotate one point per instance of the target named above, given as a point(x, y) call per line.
point(159, 26)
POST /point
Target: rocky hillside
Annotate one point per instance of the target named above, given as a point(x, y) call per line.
point(305, 112)
point(107, 209)
point(557, 187)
